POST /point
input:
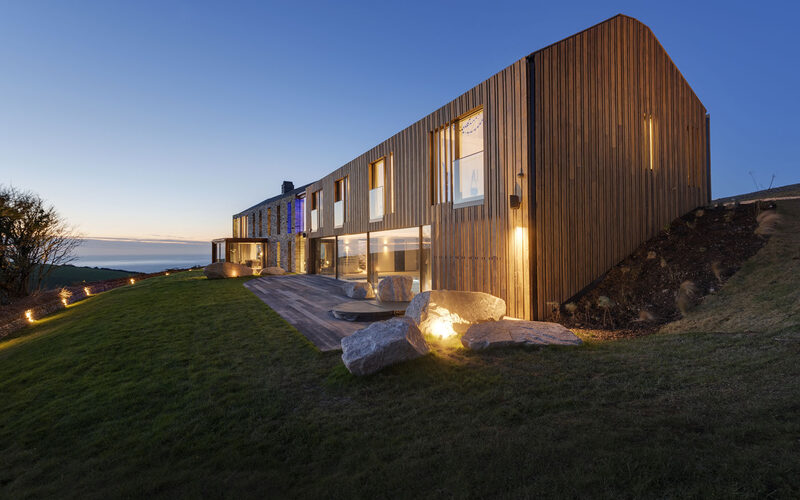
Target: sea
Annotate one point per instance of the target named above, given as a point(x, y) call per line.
point(143, 263)
point(142, 256)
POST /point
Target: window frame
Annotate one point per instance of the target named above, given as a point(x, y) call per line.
point(371, 181)
point(445, 153)
point(340, 189)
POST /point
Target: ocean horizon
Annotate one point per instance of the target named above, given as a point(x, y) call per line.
point(142, 263)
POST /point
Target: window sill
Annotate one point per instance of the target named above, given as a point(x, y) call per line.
point(465, 204)
point(372, 221)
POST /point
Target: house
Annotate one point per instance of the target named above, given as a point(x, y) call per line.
point(530, 185)
point(269, 234)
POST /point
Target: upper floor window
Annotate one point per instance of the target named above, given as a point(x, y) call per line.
point(278, 220)
point(339, 201)
point(377, 178)
point(457, 165)
point(269, 222)
point(316, 210)
point(260, 223)
point(289, 217)
point(299, 214)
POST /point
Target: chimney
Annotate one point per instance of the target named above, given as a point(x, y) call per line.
point(286, 187)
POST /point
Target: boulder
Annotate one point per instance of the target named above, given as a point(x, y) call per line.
point(517, 332)
point(382, 344)
point(395, 289)
point(272, 271)
point(444, 313)
point(219, 270)
point(358, 290)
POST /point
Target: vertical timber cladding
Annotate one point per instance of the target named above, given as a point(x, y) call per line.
point(597, 197)
point(479, 248)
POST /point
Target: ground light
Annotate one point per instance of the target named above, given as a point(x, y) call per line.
point(442, 328)
point(29, 316)
point(133, 281)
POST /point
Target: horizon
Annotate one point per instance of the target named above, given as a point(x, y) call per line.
point(173, 118)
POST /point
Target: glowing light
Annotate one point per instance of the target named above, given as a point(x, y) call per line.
point(29, 316)
point(64, 301)
point(86, 290)
point(233, 274)
point(442, 328)
point(650, 139)
point(168, 271)
point(133, 281)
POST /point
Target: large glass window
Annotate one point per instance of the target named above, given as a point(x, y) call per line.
point(377, 177)
point(352, 257)
point(457, 162)
point(395, 252)
point(326, 262)
point(339, 201)
point(248, 254)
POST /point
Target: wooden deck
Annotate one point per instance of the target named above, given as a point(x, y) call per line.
point(305, 302)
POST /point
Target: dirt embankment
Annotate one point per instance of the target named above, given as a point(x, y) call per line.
point(669, 274)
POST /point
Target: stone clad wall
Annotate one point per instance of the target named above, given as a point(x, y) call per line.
point(285, 238)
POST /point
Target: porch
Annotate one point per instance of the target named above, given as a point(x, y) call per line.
point(307, 302)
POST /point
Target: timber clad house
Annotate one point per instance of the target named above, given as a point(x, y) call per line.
point(529, 186)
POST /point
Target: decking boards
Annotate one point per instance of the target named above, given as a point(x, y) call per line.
point(305, 301)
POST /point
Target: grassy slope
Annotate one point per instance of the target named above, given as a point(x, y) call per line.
point(764, 296)
point(71, 275)
point(179, 386)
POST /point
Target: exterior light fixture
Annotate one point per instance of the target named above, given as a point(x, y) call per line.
point(64, 301)
point(514, 201)
point(87, 291)
point(133, 281)
point(29, 316)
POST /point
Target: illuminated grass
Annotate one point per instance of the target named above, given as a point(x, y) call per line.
point(180, 386)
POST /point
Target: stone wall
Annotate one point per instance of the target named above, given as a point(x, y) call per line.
point(276, 229)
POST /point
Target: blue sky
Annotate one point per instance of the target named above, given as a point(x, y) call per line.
point(161, 119)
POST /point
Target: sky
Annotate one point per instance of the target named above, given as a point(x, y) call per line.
point(160, 119)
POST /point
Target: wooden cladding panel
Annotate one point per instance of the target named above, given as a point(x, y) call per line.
point(596, 197)
point(480, 248)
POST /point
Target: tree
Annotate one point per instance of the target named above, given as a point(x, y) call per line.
point(33, 239)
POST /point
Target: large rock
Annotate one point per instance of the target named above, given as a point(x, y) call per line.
point(219, 270)
point(444, 313)
point(269, 271)
point(382, 344)
point(517, 332)
point(395, 289)
point(358, 290)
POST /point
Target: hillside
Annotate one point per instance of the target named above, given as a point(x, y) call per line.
point(69, 275)
point(764, 296)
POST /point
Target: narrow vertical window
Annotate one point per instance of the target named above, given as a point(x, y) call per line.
point(299, 215)
point(289, 217)
point(650, 139)
point(339, 201)
point(377, 177)
point(269, 222)
point(315, 210)
point(260, 223)
point(278, 219)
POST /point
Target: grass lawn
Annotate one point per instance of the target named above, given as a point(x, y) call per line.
point(181, 386)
